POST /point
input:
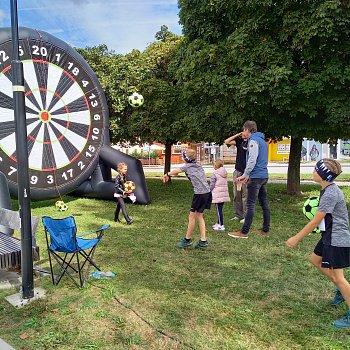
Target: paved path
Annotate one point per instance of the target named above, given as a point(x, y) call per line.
point(5, 346)
point(274, 168)
point(9, 279)
point(274, 181)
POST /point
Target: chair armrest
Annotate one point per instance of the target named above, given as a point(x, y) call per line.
point(103, 227)
point(98, 231)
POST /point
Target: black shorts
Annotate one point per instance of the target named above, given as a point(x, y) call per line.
point(333, 257)
point(200, 202)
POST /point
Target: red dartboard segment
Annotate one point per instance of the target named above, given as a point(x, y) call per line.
point(66, 114)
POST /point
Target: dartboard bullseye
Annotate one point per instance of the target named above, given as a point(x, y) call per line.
point(66, 114)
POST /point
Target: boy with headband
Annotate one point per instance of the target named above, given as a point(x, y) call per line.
point(332, 253)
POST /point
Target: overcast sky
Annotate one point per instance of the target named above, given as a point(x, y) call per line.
point(122, 25)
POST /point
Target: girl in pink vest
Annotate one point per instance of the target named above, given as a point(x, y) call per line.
point(219, 189)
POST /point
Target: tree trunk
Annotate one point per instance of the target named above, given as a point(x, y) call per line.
point(167, 163)
point(293, 180)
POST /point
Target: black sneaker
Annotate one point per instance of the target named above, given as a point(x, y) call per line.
point(130, 221)
point(201, 244)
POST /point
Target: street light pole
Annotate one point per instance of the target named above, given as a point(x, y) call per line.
point(22, 160)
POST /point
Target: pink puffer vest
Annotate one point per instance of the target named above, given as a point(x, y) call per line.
point(220, 192)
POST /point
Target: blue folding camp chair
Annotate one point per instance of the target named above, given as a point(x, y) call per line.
point(63, 244)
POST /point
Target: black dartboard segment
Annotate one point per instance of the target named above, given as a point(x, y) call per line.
point(66, 114)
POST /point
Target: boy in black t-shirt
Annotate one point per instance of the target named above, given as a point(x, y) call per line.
point(239, 188)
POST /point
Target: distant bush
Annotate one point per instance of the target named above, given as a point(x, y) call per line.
point(144, 154)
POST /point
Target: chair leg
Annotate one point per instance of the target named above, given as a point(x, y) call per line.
point(64, 265)
point(64, 268)
point(51, 269)
point(88, 257)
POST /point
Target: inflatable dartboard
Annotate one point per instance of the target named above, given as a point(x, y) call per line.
point(66, 113)
point(67, 122)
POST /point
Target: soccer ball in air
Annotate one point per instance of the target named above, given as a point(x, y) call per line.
point(129, 187)
point(136, 100)
point(310, 207)
point(62, 207)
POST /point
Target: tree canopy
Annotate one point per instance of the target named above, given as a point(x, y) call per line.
point(119, 76)
point(149, 73)
point(283, 64)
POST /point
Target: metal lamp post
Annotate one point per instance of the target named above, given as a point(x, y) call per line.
point(22, 160)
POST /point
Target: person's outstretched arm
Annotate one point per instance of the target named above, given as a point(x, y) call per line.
point(231, 140)
point(173, 172)
point(314, 222)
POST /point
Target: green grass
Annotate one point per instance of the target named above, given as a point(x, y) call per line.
point(237, 294)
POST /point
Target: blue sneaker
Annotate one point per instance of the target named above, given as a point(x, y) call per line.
point(338, 298)
point(184, 243)
point(201, 244)
point(343, 322)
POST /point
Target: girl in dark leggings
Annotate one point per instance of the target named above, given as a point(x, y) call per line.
point(120, 193)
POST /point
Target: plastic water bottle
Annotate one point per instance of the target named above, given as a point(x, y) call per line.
point(100, 274)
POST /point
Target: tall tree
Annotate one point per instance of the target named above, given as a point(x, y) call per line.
point(283, 64)
point(150, 73)
point(160, 118)
point(119, 76)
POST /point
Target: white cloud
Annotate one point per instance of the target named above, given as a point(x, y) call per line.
point(2, 18)
point(121, 25)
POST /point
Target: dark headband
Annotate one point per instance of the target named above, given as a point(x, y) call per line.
point(324, 172)
point(186, 158)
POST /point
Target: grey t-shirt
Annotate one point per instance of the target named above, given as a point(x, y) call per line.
point(195, 173)
point(332, 202)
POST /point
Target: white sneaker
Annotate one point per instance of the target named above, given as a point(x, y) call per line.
point(219, 228)
point(235, 218)
point(241, 221)
point(215, 226)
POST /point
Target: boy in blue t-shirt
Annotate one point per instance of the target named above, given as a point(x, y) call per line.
point(201, 199)
point(332, 252)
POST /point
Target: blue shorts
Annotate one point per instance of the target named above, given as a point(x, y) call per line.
point(200, 202)
point(333, 257)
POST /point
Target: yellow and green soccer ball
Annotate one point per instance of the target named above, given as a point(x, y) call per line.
point(135, 100)
point(61, 206)
point(58, 203)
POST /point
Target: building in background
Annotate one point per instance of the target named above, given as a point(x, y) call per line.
point(311, 150)
point(207, 152)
